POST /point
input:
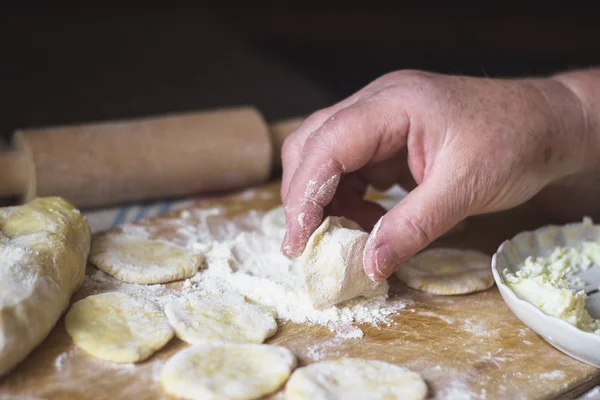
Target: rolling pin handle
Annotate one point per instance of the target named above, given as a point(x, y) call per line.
point(13, 173)
point(279, 131)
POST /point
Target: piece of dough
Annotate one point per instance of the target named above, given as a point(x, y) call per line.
point(332, 264)
point(227, 371)
point(118, 327)
point(224, 317)
point(273, 222)
point(448, 271)
point(355, 378)
point(136, 259)
point(43, 250)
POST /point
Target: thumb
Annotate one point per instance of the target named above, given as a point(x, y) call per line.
point(427, 212)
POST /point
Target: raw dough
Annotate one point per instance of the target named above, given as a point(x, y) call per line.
point(223, 317)
point(118, 327)
point(136, 259)
point(227, 371)
point(273, 222)
point(354, 378)
point(43, 250)
point(448, 271)
point(542, 281)
point(332, 264)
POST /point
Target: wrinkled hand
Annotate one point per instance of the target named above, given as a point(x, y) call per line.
point(469, 146)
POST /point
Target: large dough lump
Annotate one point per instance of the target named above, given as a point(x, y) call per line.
point(332, 264)
point(227, 371)
point(118, 327)
point(43, 250)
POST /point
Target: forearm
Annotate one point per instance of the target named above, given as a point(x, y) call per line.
point(585, 86)
point(578, 194)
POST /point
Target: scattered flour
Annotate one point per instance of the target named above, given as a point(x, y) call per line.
point(346, 331)
point(316, 351)
point(478, 328)
point(240, 256)
point(457, 390)
point(445, 318)
point(328, 348)
point(556, 374)
point(62, 359)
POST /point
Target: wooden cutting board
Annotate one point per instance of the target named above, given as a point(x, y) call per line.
point(466, 347)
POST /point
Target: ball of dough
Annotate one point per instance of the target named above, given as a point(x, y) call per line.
point(224, 317)
point(332, 264)
point(227, 371)
point(354, 378)
point(136, 259)
point(118, 327)
point(448, 271)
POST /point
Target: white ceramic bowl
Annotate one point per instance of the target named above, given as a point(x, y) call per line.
point(581, 345)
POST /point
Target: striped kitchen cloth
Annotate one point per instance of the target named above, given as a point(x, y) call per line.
point(103, 219)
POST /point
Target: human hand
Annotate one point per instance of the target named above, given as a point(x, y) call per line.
point(472, 145)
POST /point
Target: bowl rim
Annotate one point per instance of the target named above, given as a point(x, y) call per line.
point(524, 303)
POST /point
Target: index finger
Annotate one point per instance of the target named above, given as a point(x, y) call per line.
point(348, 141)
point(291, 153)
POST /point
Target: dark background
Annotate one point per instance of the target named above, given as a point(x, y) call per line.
point(64, 64)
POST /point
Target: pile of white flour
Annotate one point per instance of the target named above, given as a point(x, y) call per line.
point(241, 255)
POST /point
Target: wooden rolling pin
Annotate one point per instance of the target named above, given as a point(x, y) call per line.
point(99, 164)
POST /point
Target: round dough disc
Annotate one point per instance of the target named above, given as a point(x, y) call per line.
point(227, 317)
point(140, 260)
point(118, 327)
point(227, 371)
point(448, 271)
point(354, 378)
point(273, 222)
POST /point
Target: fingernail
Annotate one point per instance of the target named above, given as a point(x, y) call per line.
point(284, 243)
point(386, 261)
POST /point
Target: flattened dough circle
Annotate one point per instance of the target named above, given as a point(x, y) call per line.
point(227, 371)
point(136, 259)
point(355, 378)
point(224, 317)
point(448, 271)
point(118, 327)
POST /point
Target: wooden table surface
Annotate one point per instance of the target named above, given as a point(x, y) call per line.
point(465, 347)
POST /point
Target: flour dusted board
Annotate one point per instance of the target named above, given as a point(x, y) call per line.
point(464, 346)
